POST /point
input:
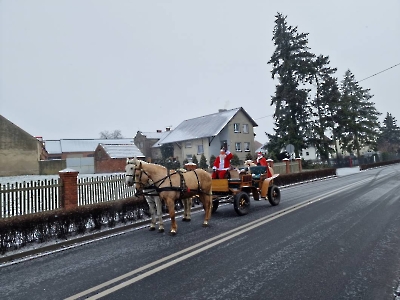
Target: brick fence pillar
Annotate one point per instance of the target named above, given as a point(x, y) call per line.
point(299, 162)
point(286, 161)
point(69, 189)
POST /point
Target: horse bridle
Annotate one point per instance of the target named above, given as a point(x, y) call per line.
point(150, 183)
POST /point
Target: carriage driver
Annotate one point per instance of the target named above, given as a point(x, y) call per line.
point(222, 164)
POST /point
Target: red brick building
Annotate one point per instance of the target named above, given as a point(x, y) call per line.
point(111, 158)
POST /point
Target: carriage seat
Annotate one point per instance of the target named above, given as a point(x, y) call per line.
point(258, 171)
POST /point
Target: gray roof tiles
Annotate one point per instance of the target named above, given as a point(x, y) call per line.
point(202, 127)
point(80, 145)
point(153, 135)
point(122, 150)
point(53, 146)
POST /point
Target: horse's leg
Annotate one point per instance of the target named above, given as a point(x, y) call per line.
point(152, 208)
point(159, 214)
point(170, 202)
point(187, 205)
point(207, 204)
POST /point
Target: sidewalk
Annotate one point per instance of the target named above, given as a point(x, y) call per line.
point(347, 171)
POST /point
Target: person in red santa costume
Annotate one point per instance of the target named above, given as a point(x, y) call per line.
point(261, 161)
point(222, 164)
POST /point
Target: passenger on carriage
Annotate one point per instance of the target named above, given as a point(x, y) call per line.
point(261, 161)
point(222, 164)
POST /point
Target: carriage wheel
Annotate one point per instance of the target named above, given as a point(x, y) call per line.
point(274, 195)
point(215, 205)
point(241, 203)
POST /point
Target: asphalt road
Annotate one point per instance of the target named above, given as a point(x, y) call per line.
point(337, 238)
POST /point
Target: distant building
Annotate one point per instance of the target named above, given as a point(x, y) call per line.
point(20, 152)
point(111, 158)
point(79, 153)
point(207, 134)
point(147, 142)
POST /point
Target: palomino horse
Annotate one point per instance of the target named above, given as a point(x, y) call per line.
point(152, 199)
point(173, 186)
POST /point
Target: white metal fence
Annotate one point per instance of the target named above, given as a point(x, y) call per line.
point(23, 198)
point(102, 189)
point(26, 197)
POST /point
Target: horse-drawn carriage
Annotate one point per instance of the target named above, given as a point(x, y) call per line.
point(257, 183)
point(163, 185)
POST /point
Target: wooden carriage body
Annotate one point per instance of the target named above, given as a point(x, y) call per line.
point(258, 184)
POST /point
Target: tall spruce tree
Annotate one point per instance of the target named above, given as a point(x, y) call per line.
point(324, 106)
point(292, 65)
point(358, 123)
point(389, 137)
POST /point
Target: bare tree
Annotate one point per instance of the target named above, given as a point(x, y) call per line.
point(116, 134)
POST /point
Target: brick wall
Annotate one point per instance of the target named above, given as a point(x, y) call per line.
point(103, 163)
point(110, 165)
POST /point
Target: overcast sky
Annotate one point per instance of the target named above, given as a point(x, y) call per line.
point(72, 69)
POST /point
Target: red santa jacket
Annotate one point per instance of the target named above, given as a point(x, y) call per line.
point(226, 163)
point(262, 161)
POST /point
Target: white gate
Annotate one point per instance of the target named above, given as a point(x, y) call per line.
point(84, 165)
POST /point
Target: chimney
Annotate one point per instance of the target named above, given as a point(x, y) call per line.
point(158, 130)
point(221, 109)
point(168, 129)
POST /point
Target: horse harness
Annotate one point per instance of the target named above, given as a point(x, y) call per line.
point(183, 188)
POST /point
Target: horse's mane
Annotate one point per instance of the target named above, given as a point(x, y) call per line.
point(135, 161)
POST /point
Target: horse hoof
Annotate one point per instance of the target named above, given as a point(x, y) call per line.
point(152, 228)
point(172, 232)
point(161, 230)
point(205, 224)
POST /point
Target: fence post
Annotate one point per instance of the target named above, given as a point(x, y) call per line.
point(300, 166)
point(286, 161)
point(69, 189)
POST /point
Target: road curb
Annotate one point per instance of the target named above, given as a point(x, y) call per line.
point(13, 258)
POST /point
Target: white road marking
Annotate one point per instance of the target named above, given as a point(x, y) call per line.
point(174, 259)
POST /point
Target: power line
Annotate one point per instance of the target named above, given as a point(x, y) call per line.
point(358, 81)
point(379, 72)
point(264, 117)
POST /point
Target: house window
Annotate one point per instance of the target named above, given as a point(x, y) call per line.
point(246, 146)
point(238, 147)
point(236, 127)
point(200, 149)
point(307, 153)
point(245, 128)
point(188, 145)
point(189, 157)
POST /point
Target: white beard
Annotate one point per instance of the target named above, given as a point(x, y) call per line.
point(222, 157)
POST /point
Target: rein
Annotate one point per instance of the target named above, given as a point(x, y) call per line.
point(142, 187)
point(155, 185)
